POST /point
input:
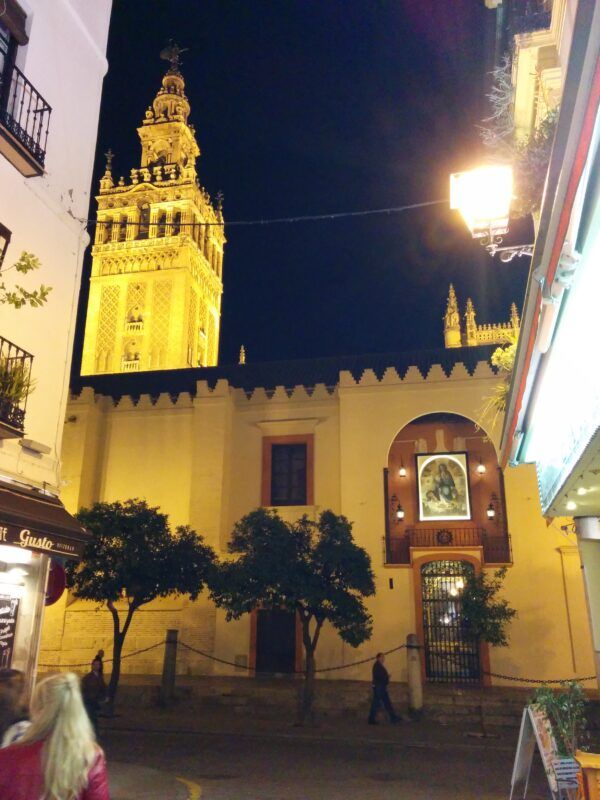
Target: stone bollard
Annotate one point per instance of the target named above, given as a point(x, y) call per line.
point(415, 679)
point(167, 689)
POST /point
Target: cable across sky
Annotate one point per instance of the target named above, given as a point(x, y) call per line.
point(291, 220)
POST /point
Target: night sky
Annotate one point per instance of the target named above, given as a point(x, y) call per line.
point(319, 106)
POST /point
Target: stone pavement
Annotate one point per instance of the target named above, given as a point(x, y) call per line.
point(134, 782)
point(262, 761)
point(186, 719)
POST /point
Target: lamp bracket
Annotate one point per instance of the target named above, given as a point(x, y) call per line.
point(507, 254)
point(492, 242)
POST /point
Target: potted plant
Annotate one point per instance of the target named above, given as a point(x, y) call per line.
point(565, 710)
point(15, 386)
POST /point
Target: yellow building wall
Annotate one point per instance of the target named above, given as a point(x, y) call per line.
point(200, 458)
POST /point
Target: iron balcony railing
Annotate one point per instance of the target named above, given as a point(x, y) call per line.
point(496, 547)
point(527, 16)
point(25, 113)
point(15, 384)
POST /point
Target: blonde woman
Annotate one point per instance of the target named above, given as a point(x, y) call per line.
point(57, 758)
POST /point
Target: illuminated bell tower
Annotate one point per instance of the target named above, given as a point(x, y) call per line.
point(157, 260)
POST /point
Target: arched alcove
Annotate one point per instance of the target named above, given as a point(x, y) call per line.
point(444, 489)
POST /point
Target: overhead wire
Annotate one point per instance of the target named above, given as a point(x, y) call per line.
point(278, 220)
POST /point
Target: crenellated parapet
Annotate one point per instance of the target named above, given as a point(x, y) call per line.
point(288, 382)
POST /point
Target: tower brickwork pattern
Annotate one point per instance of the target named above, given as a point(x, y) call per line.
point(157, 260)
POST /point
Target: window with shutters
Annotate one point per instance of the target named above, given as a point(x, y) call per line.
point(287, 470)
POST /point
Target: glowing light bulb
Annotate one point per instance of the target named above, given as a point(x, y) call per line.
point(460, 584)
point(402, 472)
point(571, 506)
point(483, 197)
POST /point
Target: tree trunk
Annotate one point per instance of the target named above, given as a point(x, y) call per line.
point(305, 709)
point(118, 641)
point(308, 689)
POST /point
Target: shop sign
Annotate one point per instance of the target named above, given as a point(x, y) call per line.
point(9, 608)
point(40, 542)
point(57, 582)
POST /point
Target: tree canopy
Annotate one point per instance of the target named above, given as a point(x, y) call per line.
point(134, 557)
point(313, 568)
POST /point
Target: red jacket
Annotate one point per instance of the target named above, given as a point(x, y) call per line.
point(21, 774)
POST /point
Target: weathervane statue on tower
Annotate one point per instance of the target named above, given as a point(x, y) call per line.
point(172, 53)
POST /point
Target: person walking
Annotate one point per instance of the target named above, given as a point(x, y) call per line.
point(100, 657)
point(381, 678)
point(93, 690)
point(58, 756)
point(14, 719)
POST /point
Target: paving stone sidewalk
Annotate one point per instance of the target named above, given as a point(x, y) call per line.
point(132, 782)
point(422, 734)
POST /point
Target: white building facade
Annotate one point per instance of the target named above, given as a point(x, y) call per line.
point(52, 65)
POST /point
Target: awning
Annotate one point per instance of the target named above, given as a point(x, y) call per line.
point(38, 521)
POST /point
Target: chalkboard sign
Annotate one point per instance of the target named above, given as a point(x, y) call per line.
point(561, 772)
point(9, 608)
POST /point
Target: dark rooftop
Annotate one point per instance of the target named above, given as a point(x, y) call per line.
point(270, 374)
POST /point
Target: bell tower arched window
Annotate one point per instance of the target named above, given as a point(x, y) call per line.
point(176, 227)
point(144, 223)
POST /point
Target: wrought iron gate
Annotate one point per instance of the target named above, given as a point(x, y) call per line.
point(451, 654)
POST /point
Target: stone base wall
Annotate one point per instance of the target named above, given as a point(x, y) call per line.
point(72, 636)
point(268, 698)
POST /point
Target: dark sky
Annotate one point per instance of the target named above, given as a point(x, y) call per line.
point(317, 106)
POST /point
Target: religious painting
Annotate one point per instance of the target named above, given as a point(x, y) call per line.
point(443, 486)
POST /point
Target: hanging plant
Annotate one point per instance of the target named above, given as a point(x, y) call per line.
point(528, 156)
point(494, 405)
point(19, 296)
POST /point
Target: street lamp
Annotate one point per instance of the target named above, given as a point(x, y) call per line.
point(483, 196)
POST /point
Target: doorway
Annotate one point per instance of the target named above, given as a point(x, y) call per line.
point(275, 640)
point(451, 653)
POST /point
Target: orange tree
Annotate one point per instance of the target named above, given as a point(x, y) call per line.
point(312, 568)
point(133, 556)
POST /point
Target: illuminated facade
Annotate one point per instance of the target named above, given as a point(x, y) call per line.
point(205, 445)
point(472, 334)
point(156, 282)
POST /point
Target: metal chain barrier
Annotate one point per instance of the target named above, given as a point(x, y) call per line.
point(296, 672)
point(539, 681)
point(204, 654)
point(107, 660)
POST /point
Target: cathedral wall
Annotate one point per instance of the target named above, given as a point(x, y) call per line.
point(202, 461)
